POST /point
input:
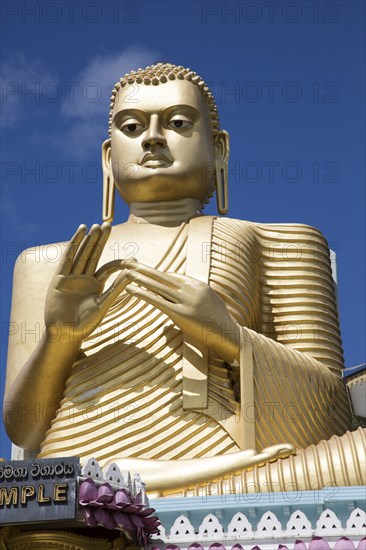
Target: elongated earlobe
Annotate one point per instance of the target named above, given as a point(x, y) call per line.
point(221, 172)
point(108, 183)
point(222, 191)
point(108, 199)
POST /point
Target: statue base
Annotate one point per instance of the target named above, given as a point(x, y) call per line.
point(42, 537)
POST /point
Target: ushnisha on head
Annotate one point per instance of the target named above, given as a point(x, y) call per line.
point(165, 140)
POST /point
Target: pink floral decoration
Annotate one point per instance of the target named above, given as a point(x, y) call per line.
point(103, 505)
point(344, 543)
point(318, 543)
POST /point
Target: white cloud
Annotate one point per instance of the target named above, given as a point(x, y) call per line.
point(23, 82)
point(87, 110)
point(93, 87)
point(84, 99)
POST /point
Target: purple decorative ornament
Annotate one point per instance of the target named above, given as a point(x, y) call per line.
point(318, 543)
point(344, 543)
point(88, 491)
point(105, 493)
point(104, 506)
point(217, 546)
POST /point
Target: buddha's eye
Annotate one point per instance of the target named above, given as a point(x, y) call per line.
point(131, 127)
point(179, 122)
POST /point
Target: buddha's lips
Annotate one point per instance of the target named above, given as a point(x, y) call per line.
point(156, 159)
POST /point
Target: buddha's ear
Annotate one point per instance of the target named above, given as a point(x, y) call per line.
point(222, 146)
point(108, 182)
point(222, 151)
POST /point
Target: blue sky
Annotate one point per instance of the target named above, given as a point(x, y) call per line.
point(289, 83)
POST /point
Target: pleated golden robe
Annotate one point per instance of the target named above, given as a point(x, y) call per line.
point(124, 397)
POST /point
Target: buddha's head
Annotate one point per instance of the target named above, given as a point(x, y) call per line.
point(165, 140)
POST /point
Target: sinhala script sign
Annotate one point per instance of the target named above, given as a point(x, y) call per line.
point(38, 490)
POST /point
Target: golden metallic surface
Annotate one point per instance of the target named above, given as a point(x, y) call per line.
point(146, 379)
point(15, 539)
point(223, 336)
point(337, 462)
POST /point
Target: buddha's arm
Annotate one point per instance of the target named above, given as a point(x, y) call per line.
point(75, 305)
point(29, 388)
point(34, 397)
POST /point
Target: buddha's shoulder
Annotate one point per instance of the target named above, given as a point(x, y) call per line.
point(40, 260)
point(281, 231)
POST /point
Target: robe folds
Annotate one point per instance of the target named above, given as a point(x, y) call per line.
point(125, 395)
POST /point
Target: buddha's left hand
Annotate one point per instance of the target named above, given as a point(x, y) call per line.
point(194, 307)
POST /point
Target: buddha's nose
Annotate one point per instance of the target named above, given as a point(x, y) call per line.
point(153, 134)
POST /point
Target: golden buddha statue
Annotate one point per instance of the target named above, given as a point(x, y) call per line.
point(218, 337)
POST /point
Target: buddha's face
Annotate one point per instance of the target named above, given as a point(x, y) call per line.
point(162, 146)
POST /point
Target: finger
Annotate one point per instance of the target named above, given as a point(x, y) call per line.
point(71, 250)
point(174, 280)
point(92, 263)
point(111, 267)
point(153, 285)
point(108, 269)
point(85, 250)
point(166, 307)
point(113, 291)
point(281, 449)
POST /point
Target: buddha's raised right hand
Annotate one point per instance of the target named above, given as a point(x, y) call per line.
point(76, 303)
